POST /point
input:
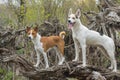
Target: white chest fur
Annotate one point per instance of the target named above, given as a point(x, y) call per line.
point(37, 43)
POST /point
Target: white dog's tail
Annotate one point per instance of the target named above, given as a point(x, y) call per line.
point(62, 34)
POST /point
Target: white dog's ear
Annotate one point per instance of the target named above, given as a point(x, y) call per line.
point(70, 11)
point(78, 13)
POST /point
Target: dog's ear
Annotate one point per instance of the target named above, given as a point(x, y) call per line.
point(70, 11)
point(78, 13)
point(36, 28)
point(27, 29)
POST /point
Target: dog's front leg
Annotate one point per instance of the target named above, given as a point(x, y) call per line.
point(82, 42)
point(83, 56)
point(77, 50)
point(38, 58)
point(46, 59)
point(83, 46)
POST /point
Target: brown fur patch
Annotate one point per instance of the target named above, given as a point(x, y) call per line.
point(52, 41)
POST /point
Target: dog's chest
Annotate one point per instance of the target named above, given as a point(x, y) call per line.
point(77, 34)
point(38, 45)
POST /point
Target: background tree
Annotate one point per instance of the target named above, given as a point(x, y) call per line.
point(51, 18)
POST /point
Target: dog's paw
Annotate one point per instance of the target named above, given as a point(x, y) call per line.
point(82, 66)
point(74, 60)
point(114, 70)
point(110, 67)
point(35, 65)
point(60, 63)
point(47, 67)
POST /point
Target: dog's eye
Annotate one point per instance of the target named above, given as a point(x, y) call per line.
point(33, 33)
point(73, 18)
point(28, 33)
point(76, 17)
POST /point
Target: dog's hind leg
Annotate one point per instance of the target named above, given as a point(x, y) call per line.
point(110, 50)
point(61, 53)
point(115, 65)
point(113, 61)
point(84, 55)
point(58, 54)
point(46, 59)
point(62, 59)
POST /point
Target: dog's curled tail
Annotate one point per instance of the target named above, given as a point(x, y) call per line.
point(62, 34)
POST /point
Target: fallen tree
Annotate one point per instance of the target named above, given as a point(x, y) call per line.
point(67, 70)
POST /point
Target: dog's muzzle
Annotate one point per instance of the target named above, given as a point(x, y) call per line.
point(69, 21)
point(29, 37)
point(70, 24)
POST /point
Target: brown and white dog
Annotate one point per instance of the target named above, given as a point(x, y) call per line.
point(43, 44)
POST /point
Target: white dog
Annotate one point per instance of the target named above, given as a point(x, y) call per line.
point(84, 37)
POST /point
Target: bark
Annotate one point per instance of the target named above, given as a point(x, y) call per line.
point(68, 69)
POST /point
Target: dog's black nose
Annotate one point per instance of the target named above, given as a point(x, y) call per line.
point(29, 38)
point(69, 21)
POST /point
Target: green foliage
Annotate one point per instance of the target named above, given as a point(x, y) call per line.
point(72, 79)
point(31, 15)
point(2, 71)
point(37, 12)
point(118, 1)
point(8, 76)
point(20, 51)
point(5, 19)
point(48, 9)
